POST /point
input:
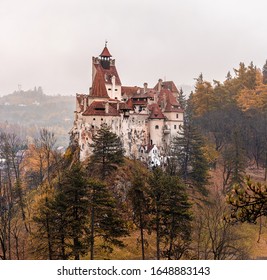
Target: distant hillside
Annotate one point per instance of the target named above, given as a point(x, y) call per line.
point(34, 109)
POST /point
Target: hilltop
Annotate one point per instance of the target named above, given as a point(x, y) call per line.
point(33, 109)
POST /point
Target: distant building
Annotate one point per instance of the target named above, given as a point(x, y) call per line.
point(146, 119)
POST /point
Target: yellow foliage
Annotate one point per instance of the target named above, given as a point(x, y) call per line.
point(253, 98)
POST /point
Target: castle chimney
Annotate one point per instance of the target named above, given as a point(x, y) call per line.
point(145, 87)
point(106, 108)
point(159, 84)
point(164, 102)
point(113, 82)
point(84, 103)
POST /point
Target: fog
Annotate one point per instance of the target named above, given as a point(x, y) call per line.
point(50, 43)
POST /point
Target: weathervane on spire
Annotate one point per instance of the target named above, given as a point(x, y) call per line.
point(106, 42)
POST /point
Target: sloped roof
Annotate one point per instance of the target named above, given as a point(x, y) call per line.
point(108, 74)
point(167, 85)
point(155, 112)
point(98, 87)
point(124, 106)
point(105, 52)
point(171, 103)
point(97, 108)
point(129, 103)
point(129, 91)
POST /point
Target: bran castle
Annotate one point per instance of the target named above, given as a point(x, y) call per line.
point(145, 119)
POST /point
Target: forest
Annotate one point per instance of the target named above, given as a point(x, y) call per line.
point(207, 201)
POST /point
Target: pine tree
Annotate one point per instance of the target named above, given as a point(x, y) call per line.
point(170, 215)
point(62, 217)
point(188, 147)
point(106, 221)
point(71, 203)
point(248, 203)
point(182, 98)
point(176, 219)
point(156, 193)
point(140, 204)
point(107, 151)
point(43, 235)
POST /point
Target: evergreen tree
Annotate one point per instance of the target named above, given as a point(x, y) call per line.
point(170, 215)
point(156, 193)
point(187, 147)
point(62, 218)
point(43, 235)
point(140, 204)
point(106, 221)
point(182, 98)
point(72, 206)
point(248, 203)
point(107, 151)
point(176, 219)
point(228, 76)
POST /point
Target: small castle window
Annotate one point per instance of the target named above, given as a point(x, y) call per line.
point(93, 119)
point(156, 127)
point(175, 126)
point(101, 119)
point(177, 116)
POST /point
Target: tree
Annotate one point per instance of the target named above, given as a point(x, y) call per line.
point(61, 217)
point(12, 196)
point(170, 215)
point(106, 222)
point(203, 97)
point(107, 151)
point(187, 147)
point(43, 237)
point(182, 98)
point(248, 203)
point(176, 219)
point(72, 204)
point(138, 195)
point(214, 235)
point(264, 73)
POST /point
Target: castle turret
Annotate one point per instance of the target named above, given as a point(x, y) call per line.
point(105, 58)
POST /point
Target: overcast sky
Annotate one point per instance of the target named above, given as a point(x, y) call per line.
point(50, 43)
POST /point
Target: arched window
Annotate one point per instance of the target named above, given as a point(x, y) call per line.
point(156, 127)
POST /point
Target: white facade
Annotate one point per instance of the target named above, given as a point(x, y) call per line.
point(146, 119)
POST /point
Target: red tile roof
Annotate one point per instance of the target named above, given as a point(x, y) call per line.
point(149, 148)
point(155, 112)
point(129, 103)
point(106, 52)
point(98, 87)
point(108, 73)
point(129, 91)
point(167, 85)
point(139, 102)
point(171, 103)
point(124, 106)
point(97, 108)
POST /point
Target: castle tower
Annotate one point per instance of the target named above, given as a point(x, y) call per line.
point(105, 58)
point(106, 66)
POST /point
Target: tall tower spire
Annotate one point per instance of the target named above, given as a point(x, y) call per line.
point(105, 57)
